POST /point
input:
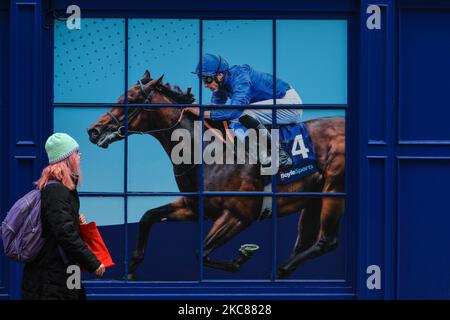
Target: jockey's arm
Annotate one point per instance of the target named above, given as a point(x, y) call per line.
point(196, 111)
point(241, 88)
point(217, 98)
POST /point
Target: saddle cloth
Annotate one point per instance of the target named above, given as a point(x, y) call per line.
point(297, 143)
point(295, 140)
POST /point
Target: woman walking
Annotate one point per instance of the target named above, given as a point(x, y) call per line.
point(45, 278)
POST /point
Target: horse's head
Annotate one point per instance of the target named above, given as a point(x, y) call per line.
point(111, 126)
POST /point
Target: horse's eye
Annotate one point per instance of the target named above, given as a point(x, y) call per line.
point(131, 98)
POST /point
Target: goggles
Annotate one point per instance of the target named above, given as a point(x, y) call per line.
point(207, 80)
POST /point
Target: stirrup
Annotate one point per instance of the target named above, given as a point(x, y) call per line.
point(285, 159)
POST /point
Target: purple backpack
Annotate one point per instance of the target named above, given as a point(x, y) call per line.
point(21, 230)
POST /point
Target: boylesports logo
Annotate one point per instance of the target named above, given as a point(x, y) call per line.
point(288, 174)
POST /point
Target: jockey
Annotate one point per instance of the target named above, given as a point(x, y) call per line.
point(244, 85)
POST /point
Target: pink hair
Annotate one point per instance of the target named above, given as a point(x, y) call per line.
point(64, 171)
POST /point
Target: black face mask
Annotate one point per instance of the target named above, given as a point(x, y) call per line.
point(75, 179)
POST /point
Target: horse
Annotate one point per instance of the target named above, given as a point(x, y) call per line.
point(318, 225)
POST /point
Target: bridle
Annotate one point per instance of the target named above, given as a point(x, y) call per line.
point(148, 99)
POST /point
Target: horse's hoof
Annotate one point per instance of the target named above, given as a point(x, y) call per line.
point(132, 277)
point(234, 268)
point(284, 272)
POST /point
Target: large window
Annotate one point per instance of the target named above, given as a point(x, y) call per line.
point(106, 80)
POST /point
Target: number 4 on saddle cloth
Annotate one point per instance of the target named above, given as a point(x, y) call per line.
point(297, 143)
point(295, 140)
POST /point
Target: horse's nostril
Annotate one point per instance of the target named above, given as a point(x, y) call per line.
point(94, 133)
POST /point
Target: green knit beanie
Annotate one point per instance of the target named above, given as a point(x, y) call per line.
point(60, 146)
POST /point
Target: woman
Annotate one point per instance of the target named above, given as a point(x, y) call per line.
point(46, 277)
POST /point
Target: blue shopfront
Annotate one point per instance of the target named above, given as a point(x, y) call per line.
point(380, 67)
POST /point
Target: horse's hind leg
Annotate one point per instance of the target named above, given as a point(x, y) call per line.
point(308, 226)
point(175, 211)
point(224, 228)
point(331, 214)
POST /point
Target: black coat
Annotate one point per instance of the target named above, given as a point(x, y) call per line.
point(45, 277)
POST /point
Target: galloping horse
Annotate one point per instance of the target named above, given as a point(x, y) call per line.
point(319, 221)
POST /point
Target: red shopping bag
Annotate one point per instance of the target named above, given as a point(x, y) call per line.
point(89, 233)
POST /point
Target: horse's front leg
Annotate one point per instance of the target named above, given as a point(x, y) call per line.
point(224, 228)
point(175, 211)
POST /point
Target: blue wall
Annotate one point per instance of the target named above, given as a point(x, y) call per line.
point(424, 102)
point(396, 90)
point(4, 28)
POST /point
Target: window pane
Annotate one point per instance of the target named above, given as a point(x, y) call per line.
point(108, 214)
point(312, 154)
point(89, 62)
point(226, 233)
point(168, 47)
point(170, 248)
point(102, 168)
point(149, 167)
point(240, 42)
point(312, 57)
point(315, 212)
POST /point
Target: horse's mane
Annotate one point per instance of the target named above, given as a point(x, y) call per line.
point(177, 94)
